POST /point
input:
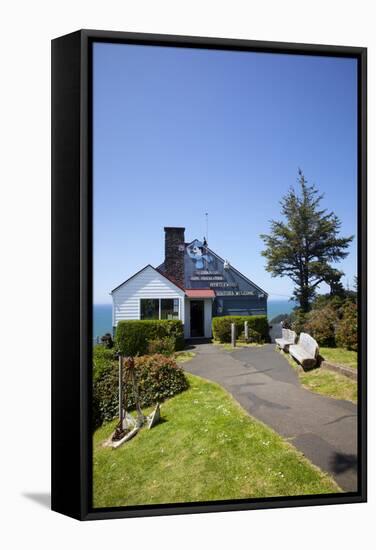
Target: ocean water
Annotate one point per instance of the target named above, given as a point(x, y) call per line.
point(102, 319)
point(277, 307)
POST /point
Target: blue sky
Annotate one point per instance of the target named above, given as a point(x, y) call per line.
point(180, 132)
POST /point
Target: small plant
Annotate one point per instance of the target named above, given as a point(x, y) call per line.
point(107, 341)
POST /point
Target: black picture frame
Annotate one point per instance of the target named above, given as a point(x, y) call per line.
point(72, 272)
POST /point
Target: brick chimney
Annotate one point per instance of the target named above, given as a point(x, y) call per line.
point(174, 253)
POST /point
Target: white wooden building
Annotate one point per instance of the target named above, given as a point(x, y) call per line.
point(193, 284)
point(147, 292)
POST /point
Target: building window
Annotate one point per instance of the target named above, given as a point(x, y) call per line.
point(149, 309)
point(169, 309)
point(160, 308)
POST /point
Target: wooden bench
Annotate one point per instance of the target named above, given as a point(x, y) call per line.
point(306, 351)
point(288, 339)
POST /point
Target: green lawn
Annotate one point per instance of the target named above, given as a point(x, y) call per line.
point(228, 347)
point(340, 356)
point(206, 448)
point(325, 382)
point(184, 356)
point(331, 384)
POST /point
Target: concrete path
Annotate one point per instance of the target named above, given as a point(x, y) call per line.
point(264, 383)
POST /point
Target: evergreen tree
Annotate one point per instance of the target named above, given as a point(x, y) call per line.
point(305, 244)
point(336, 287)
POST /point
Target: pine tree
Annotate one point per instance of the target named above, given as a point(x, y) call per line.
point(306, 243)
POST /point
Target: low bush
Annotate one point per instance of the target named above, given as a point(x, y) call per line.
point(158, 378)
point(107, 340)
point(133, 337)
point(256, 323)
point(164, 346)
point(347, 329)
point(321, 325)
point(253, 337)
point(102, 360)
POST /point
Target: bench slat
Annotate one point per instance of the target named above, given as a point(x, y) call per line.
point(306, 351)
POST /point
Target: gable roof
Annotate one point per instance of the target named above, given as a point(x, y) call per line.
point(143, 269)
point(231, 267)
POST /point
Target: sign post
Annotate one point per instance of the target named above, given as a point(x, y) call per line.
point(246, 331)
point(233, 335)
point(121, 391)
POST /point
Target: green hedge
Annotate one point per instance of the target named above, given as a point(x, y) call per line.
point(133, 337)
point(164, 346)
point(253, 337)
point(222, 326)
point(102, 358)
point(158, 378)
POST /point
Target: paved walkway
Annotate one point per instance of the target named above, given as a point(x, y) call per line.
point(264, 383)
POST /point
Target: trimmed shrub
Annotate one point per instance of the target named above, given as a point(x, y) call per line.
point(321, 325)
point(102, 360)
point(347, 328)
point(133, 337)
point(222, 326)
point(164, 346)
point(253, 337)
point(158, 378)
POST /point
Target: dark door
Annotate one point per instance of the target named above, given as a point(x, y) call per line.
point(197, 318)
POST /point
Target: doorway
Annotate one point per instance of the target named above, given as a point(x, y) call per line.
point(197, 319)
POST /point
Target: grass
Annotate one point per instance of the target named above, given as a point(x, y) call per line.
point(228, 347)
point(324, 382)
point(340, 356)
point(184, 356)
point(206, 448)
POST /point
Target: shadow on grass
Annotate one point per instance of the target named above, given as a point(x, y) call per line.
point(160, 421)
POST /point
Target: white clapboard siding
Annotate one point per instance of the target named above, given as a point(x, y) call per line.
point(148, 283)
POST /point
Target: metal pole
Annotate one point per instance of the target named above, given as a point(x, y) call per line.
point(140, 416)
point(233, 335)
point(246, 331)
point(121, 391)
